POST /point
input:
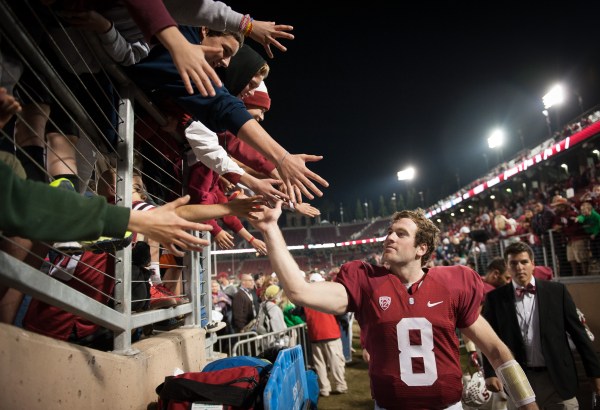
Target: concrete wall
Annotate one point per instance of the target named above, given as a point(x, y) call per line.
point(37, 372)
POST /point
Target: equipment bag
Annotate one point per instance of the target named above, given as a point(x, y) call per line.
point(234, 386)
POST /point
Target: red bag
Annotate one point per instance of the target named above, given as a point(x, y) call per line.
point(234, 386)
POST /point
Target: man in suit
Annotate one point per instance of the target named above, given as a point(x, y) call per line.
point(533, 317)
point(243, 303)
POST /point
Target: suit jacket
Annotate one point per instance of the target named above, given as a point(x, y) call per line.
point(242, 311)
point(558, 315)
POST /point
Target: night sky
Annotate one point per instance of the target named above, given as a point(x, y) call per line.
point(377, 88)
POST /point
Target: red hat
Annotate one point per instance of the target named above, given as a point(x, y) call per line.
point(260, 98)
point(223, 275)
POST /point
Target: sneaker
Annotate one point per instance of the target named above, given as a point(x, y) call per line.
point(105, 244)
point(63, 183)
point(68, 248)
point(340, 391)
point(159, 299)
point(324, 394)
point(213, 327)
point(179, 299)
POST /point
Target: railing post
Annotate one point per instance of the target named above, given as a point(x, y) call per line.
point(122, 340)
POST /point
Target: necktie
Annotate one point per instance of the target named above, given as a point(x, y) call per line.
point(528, 289)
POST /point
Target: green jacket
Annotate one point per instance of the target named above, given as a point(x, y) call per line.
point(35, 210)
point(591, 223)
point(290, 318)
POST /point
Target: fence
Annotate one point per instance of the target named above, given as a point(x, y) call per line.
point(17, 36)
point(549, 250)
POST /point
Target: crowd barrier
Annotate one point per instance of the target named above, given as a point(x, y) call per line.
point(287, 387)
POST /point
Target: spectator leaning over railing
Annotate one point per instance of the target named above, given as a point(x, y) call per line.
point(225, 111)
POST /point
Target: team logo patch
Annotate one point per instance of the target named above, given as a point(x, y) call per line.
point(385, 302)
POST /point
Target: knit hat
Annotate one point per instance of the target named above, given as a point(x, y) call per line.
point(271, 292)
point(260, 98)
point(242, 67)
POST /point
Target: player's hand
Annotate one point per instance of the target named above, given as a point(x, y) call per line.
point(267, 33)
point(268, 217)
point(493, 384)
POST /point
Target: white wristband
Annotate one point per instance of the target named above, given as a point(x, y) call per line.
point(515, 381)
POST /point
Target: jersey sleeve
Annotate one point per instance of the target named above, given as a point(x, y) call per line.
point(350, 277)
point(471, 297)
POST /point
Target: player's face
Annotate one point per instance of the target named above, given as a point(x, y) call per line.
point(521, 266)
point(399, 245)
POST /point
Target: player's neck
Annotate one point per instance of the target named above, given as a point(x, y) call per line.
point(409, 273)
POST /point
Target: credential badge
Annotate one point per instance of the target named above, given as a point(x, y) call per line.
point(385, 302)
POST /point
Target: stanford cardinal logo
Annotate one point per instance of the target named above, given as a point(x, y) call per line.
point(385, 302)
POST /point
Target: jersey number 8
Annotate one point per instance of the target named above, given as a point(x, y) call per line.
point(424, 351)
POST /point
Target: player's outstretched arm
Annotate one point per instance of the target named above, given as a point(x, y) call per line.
point(329, 297)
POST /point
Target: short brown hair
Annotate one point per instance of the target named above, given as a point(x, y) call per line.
point(516, 248)
point(427, 233)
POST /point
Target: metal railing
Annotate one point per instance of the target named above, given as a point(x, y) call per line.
point(253, 344)
point(16, 274)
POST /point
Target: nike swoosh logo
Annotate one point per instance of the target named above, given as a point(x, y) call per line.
point(429, 304)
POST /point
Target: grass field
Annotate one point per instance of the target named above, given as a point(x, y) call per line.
point(357, 377)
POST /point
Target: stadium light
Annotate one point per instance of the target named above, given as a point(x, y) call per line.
point(406, 174)
point(555, 96)
point(496, 139)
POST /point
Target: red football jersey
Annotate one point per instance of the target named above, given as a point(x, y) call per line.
point(412, 337)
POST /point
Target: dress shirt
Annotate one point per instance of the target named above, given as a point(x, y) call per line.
point(529, 323)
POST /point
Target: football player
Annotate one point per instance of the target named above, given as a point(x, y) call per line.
point(410, 314)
